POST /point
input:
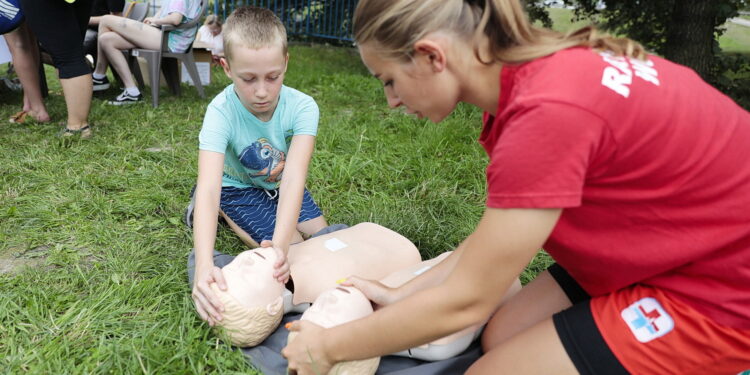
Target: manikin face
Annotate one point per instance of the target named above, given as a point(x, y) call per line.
point(250, 278)
point(257, 75)
point(415, 85)
point(338, 306)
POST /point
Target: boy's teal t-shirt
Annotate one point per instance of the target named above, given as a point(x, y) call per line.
point(255, 151)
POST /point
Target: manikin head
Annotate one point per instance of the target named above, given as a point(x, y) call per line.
point(255, 49)
point(338, 306)
point(253, 299)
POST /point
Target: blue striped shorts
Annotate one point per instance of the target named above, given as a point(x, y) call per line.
point(254, 209)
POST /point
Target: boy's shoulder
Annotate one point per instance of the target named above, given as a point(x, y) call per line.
point(292, 94)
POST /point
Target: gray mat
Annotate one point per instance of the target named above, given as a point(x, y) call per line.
point(266, 357)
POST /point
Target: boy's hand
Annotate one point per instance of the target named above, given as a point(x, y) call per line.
point(207, 303)
point(281, 265)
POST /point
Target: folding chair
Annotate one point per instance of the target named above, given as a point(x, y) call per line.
point(164, 59)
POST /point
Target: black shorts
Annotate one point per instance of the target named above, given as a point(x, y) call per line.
point(578, 332)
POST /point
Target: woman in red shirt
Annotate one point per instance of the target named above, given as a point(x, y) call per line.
point(628, 169)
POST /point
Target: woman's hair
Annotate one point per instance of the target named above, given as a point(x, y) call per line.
point(253, 27)
point(212, 19)
point(395, 25)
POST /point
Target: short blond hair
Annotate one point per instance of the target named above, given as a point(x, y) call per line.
point(253, 27)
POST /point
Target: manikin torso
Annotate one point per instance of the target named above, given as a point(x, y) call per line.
point(367, 250)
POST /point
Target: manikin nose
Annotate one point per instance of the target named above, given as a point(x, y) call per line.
point(393, 101)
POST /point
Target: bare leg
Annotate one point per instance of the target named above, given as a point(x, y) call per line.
point(538, 300)
point(312, 226)
point(25, 51)
point(520, 338)
point(536, 350)
point(77, 92)
point(117, 34)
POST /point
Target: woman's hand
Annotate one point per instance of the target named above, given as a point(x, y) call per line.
point(207, 303)
point(282, 263)
point(375, 291)
point(305, 353)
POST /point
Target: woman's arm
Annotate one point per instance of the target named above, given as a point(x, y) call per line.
point(491, 259)
point(206, 212)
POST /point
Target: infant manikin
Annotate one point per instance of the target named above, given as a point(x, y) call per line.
point(338, 306)
point(442, 348)
point(253, 299)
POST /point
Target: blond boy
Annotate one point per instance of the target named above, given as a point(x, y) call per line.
point(253, 131)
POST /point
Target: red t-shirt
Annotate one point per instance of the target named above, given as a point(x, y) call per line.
point(650, 164)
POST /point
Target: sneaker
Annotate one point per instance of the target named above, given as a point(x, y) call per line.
point(188, 216)
point(126, 98)
point(100, 84)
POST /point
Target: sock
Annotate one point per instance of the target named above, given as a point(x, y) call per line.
point(99, 76)
point(133, 91)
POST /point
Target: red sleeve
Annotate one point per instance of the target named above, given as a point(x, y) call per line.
point(542, 157)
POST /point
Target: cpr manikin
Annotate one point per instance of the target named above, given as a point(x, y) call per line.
point(338, 306)
point(253, 304)
point(442, 348)
point(367, 250)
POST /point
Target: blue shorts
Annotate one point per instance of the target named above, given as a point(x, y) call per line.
point(254, 209)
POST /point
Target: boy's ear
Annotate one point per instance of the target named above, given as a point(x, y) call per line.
point(225, 64)
point(286, 61)
point(432, 53)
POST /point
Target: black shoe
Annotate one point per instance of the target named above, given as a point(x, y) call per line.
point(188, 216)
point(126, 98)
point(100, 84)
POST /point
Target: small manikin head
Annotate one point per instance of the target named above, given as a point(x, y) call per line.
point(338, 306)
point(253, 299)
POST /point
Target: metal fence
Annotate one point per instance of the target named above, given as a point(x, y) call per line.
point(329, 19)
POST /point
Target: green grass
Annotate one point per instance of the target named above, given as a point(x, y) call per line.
point(736, 39)
point(98, 222)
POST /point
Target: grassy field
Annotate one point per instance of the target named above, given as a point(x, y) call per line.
point(92, 246)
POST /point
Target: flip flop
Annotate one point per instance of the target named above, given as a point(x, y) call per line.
point(19, 117)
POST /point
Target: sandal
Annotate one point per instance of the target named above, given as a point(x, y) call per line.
point(83, 133)
point(19, 117)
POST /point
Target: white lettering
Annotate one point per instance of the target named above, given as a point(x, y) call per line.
point(619, 75)
point(616, 81)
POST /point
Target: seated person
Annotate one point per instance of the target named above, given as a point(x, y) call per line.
point(99, 8)
point(211, 38)
point(119, 33)
point(338, 306)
